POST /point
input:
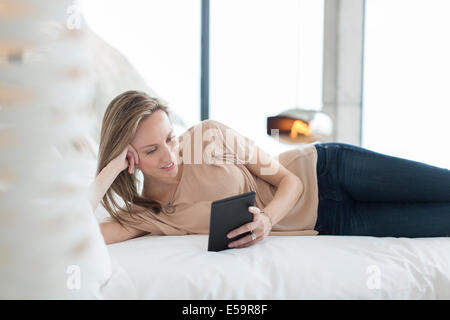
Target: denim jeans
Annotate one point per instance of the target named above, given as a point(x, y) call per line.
point(365, 193)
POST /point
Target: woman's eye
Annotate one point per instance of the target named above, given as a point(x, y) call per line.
point(168, 140)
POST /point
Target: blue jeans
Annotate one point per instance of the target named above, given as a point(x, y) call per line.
point(365, 193)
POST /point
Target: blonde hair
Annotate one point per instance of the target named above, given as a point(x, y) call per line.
point(120, 121)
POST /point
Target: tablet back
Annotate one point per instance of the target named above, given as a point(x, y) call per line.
point(226, 215)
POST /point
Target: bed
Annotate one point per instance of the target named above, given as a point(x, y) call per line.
point(280, 267)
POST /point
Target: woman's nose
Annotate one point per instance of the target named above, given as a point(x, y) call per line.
point(167, 154)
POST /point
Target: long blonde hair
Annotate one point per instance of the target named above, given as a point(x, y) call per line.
point(120, 121)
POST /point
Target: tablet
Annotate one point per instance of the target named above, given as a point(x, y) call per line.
point(226, 215)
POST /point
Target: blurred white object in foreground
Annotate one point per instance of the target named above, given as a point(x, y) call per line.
point(50, 243)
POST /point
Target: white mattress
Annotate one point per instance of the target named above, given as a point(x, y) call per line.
point(281, 267)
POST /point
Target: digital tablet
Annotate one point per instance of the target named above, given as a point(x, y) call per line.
point(226, 215)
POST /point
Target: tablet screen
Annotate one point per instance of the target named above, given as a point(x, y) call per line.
point(226, 215)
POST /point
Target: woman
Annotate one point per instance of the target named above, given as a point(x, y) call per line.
point(323, 188)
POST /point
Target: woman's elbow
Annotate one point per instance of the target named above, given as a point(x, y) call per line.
point(299, 186)
point(104, 231)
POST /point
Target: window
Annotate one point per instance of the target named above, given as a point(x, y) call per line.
point(406, 103)
point(161, 39)
point(265, 57)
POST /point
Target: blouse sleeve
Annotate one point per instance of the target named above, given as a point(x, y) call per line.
point(140, 219)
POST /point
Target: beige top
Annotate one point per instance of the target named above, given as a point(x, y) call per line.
point(222, 174)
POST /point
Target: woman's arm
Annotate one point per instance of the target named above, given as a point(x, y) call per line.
point(266, 167)
point(269, 169)
point(289, 191)
point(289, 186)
point(113, 232)
point(129, 158)
point(102, 183)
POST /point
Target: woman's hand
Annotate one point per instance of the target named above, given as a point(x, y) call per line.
point(260, 227)
point(127, 159)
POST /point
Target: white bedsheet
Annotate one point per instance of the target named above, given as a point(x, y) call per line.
point(281, 267)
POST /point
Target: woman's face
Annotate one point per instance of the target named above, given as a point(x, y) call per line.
point(157, 147)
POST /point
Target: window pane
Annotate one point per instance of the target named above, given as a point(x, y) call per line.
point(266, 57)
point(406, 102)
point(161, 39)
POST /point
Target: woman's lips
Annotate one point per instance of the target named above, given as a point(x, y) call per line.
point(170, 168)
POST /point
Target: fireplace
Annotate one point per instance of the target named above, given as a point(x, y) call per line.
point(301, 126)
